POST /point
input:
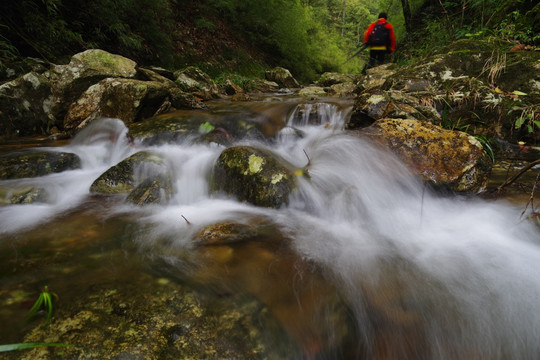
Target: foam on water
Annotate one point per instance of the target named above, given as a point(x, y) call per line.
point(466, 269)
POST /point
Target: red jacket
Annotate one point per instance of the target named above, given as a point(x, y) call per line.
point(390, 31)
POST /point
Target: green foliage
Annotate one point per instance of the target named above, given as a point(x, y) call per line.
point(512, 27)
point(529, 118)
point(43, 302)
point(54, 29)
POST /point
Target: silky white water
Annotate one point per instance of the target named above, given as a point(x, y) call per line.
point(450, 277)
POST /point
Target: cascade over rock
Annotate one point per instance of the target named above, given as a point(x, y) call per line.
point(446, 159)
point(253, 175)
point(24, 195)
point(123, 177)
point(153, 190)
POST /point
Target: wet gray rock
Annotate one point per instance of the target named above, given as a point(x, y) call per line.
point(282, 77)
point(153, 190)
point(127, 174)
point(126, 99)
point(35, 163)
point(84, 70)
point(195, 81)
point(25, 106)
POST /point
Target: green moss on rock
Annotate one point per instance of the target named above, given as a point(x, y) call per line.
point(36, 163)
point(253, 175)
point(121, 179)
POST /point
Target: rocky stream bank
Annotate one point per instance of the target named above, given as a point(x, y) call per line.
point(435, 115)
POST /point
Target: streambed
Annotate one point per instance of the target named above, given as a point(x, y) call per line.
point(363, 262)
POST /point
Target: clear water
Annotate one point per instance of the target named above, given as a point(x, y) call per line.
point(421, 276)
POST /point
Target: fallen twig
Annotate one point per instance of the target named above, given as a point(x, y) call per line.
point(531, 198)
point(187, 221)
point(518, 175)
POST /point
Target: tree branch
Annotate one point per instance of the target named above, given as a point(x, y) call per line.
point(518, 175)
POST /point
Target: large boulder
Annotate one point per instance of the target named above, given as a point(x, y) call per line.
point(194, 81)
point(263, 86)
point(333, 78)
point(375, 104)
point(25, 106)
point(35, 163)
point(253, 175)
point(127, 99)
point(127, 174)
point(376, 76)
point(282, 77)
point(84, 70)
point(312, 91)
point(446, 159)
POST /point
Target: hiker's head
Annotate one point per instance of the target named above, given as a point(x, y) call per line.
point(382, 16)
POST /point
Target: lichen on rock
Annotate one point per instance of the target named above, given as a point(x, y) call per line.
point(253, 175)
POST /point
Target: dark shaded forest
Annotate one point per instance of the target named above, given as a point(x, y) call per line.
point(308, 37)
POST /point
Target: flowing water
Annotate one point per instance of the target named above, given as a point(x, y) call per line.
point(420, 276)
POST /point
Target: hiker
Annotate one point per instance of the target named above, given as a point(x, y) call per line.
point(381, 39)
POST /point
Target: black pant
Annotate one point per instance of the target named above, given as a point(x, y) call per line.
point(376, 57)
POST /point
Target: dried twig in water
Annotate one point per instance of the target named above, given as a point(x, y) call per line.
point(531, 198)
point(187, 221)
point(521, 172)
point(308, 159)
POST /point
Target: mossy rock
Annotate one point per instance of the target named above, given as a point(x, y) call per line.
point(29, 195)
point(36, 163)
point(221, 126)
point(154, 190)
point(332, 78)
point(281, 76)
point(231, 232)
point(451, 160)
point(121, 178)
point(253, 175)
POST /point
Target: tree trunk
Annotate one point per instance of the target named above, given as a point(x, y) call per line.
point(407, 15)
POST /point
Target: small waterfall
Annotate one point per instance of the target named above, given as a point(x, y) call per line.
point(426, 277)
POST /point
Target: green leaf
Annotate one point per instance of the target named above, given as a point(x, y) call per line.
point(519, 122)
point(537, 123)
point(206, 128)
point(35, 307)
point(23, 346)
point(516, 92)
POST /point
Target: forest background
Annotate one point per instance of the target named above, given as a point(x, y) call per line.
point(223, 37)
